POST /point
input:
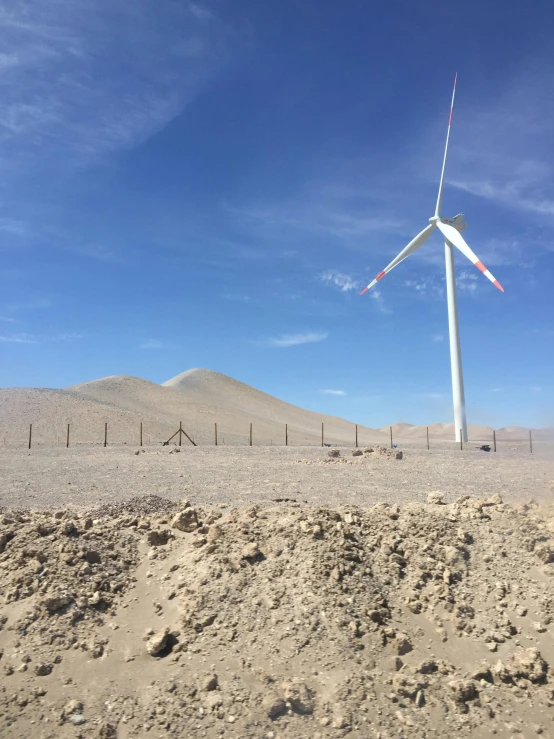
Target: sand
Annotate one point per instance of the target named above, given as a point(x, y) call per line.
point(149, 618)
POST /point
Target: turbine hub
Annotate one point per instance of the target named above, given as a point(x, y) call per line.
point(434, 220)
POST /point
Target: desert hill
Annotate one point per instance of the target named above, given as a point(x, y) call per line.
point(199, 398)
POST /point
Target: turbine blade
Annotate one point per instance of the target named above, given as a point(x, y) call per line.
point(414, 244)
point(456, 238)
point(441, 183)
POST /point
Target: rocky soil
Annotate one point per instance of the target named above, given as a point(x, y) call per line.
point(158, 618)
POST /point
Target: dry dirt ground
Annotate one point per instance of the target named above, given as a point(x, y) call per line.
point(407, 597)
point(86, 476)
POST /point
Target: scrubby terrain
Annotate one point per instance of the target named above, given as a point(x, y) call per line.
point(158, 618)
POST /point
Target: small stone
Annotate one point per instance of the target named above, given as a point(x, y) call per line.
point(186, 520)
point(299, 696)
point(158, 642)
point(77, 719)
point(493, 500)
point(435, 498)
point(357, 453)
point(274, 706)
point(333, 453)
point(210, 683)
point(157, 538)
point(70, 529)
point(398, 455)
point(250, 551)
point(43, 668)
point(402, 644)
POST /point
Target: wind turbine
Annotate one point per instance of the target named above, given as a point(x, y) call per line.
point(450, 228)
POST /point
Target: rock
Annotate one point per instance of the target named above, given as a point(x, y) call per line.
point(299, 696)
point(137, 452)
point(250, 551)
point(185, 520)
point(77, 719)
point(70, 529)
point(43, 668)
point(493, 500)
point(93, 557)
point(357, 453)
point(274, 706)
point(398, 455)
point(158, 642)
point(402, 644)
point(55, 602)
point(464, 690)
point(158, 537)
point(544, 552)
point(210, 683)
point(74, 706)
point(435, 498)
point(333, 453)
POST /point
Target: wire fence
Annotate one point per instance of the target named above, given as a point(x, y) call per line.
point(117, 434)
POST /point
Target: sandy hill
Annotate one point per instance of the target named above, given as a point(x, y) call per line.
point(397, 428)
point(446, 431)
point(199, 398)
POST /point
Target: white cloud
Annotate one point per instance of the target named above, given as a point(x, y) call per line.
point(376, 296)
point(152, 344)
point(437, 338)
point(333, 392)
point(239, 297)
point(341, 281)
point(536, 388)
point(74, 89)
point(427, 287)
point(496, 390)
point(19, 339)
point(286, 340)
point(466, 281)
point(432, 396)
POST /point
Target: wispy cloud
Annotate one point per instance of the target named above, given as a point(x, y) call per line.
point(501, 140)
point(238, 297)
point(536, 388)
point(152, 344)
point(466, 281)
point(339, 280)
point(19, 339)
point(23, 338)
point(496, 390)
point(432, 396)
point(378, 299)
point(286, 340)
point(73, 88)
point(426, 287)
point(7, 320)
point(437, 338)
point(333, 392)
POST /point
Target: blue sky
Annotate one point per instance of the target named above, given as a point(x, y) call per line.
point(210, 184)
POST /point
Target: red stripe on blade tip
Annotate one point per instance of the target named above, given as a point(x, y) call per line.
point(380, 275)
point(364, 290)
point(498, 285)
point(480, 266)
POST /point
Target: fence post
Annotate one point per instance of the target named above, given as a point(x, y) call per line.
point(461, 442)
point(180, 432)
point(286, 434)
point(67, 439)
point(530, 442)
point(106, 434)
point(391, 437)
point(494, 439)
point(427, 438)
point(356, 436)
point(250, 434)
point(322, 435)
point(30, 434)
point(215, 433)
point(141, 433)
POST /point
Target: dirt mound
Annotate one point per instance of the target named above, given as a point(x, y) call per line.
point(288, 621)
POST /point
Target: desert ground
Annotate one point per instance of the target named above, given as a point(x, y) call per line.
point(267, 592)
point(276, 592)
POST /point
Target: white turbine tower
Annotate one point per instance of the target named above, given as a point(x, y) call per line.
point(450, 228)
